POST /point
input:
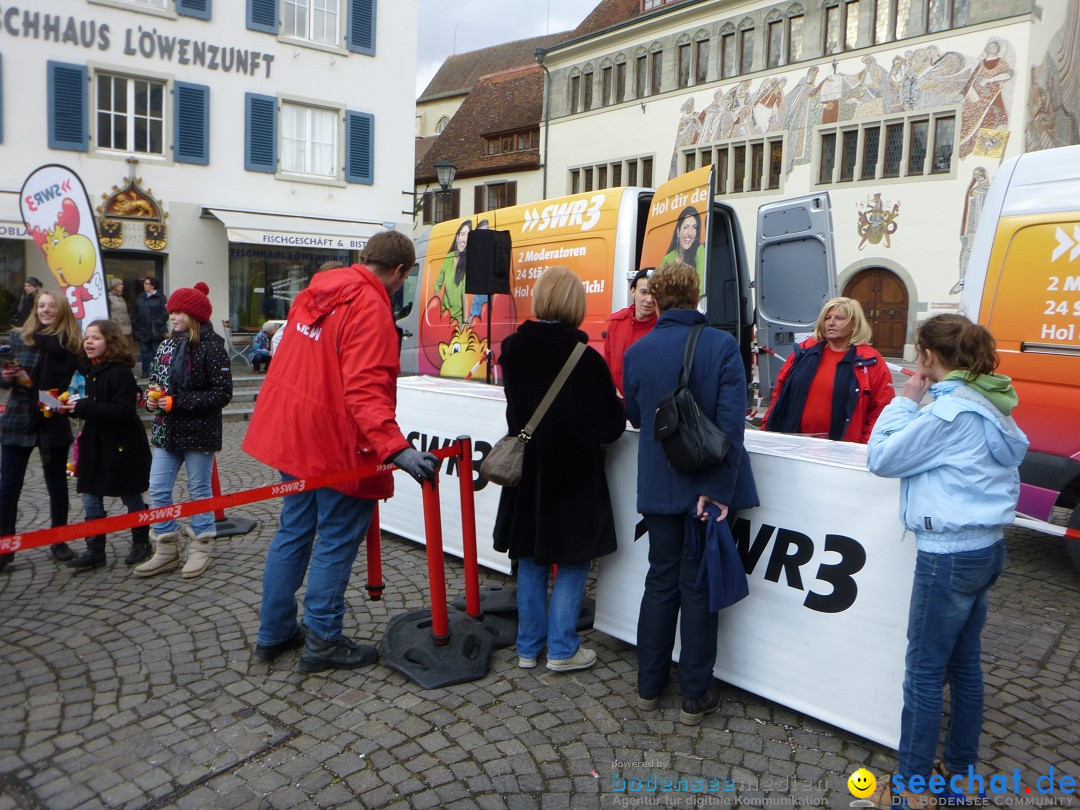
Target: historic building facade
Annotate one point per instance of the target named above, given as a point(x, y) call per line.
point(241, 143)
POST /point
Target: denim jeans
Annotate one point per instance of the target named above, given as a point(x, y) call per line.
point(670, 588)
point(948, 611)
point(163, 471)
point(147, 350)
point(94, 505)
point(341, 522)
point(553, 623)
point(13, 462)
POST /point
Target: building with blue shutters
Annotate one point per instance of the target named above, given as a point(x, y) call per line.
point(238, 142)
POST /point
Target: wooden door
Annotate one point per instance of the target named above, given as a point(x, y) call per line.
point(885, 301)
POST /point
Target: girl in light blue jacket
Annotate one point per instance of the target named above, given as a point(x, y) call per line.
point(958, 459)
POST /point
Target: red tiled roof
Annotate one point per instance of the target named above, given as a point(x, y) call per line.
point(460, 72)
point(606, 14)
point(509, 101)
point(422, 145)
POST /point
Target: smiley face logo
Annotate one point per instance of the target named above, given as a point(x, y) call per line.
point(861, 783)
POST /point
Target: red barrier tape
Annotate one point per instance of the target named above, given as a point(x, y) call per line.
point(73, 531)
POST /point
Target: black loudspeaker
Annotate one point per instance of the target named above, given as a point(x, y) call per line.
point(487, 262)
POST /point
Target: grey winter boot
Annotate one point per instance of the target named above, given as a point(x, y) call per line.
point(166, 556)
point(198, 558)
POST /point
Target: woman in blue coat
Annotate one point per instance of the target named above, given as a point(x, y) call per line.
point(665, 496)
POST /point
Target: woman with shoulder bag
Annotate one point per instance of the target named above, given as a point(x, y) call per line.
point(42, 358)
point(665, 496)
point(560, 511)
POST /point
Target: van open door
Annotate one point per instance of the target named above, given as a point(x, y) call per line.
point(795, 275)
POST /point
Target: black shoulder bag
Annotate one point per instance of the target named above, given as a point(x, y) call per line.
point(690, 439)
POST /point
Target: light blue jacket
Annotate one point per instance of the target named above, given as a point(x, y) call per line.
point(958, 460)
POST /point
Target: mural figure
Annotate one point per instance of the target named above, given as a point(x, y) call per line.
point(768, 105)
point(450, 283)
point(973, 205)
point(462, 355)
point(1054, 89)
point(876, 225)
point(798, 119)
point(717, 118)
point(687, 135)
point(983, 105)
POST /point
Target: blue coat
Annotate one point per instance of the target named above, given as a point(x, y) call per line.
point(718, 381)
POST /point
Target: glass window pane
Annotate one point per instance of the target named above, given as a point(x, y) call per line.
point(140, 92)
point(642, 68)
point(776, 163)
point(775, 44)
point(904, 26)
point(104, 140)
point(646, 172)
point(939, 15)
point(828, 157)
point(605, 86)
point(757, 165)
point(894, 150)
point(683, 64)
point(586, 91)
point(746, 50)
point(620, 82)
point(141, 137)
point(722, 162)
point(794, 39)
point(848, 153)
point(851, 20)
point(657, 71)
point(832, 29)
point(691, 162)
point(588, 179)
point(601, 176)
point(727, 56)
point(739, 169)
point(575, 89)
point(120, 138)
point(575, 182)
point(944, 129)
point(157, 138)
point(883, 27)
point(616, 174)
point(871, 142)
point(701, 74)
point(917, 149)
point(706, 157)
point(631, 173)
point(104, 93)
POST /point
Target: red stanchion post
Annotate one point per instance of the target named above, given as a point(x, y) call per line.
point(374, 558)
point(468, 528)
point(215, 489)
point(440, 624)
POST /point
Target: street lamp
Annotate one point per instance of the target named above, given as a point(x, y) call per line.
point(445, 171)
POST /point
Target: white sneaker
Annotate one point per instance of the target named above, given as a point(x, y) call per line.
point(582, 659)
point(526, 663)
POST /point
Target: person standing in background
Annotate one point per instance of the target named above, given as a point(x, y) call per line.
point(118, 309)
point(22, 311)
point(627, 326)
point(148, 322)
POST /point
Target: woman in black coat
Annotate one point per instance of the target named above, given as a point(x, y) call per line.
point(560, 513)
point(114, 455)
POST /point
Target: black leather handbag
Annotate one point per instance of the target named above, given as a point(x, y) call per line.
point(691, 440)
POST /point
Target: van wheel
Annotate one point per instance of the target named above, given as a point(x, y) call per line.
point(1071, 545)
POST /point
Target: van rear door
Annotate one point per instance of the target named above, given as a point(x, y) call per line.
point(795, 275)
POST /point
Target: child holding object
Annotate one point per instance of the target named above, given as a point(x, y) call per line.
point(957, 459)
point(114, 456)
point(190, 382)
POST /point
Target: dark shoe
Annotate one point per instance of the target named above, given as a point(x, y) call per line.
point(341, 653)
point(5, 559)
point(694, 711)
point(140, 546)
point(93, 557)
point(271, 651)
point(61, 553)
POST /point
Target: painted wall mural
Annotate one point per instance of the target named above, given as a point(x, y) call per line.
point(974, 198)
point(1053, 103)
point(923, 78)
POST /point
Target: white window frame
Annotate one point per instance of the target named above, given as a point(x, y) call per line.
point(308, 11)
point(130, 88)
point(308, 122)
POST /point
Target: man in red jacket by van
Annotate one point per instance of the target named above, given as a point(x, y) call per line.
point(328, 404)
point(627, 326)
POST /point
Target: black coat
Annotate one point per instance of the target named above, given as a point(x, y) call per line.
point(561, 510)
point(194, 423)
point(149, 317)
point(114, 454)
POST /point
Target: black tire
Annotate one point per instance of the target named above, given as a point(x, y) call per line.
point(1072, 545)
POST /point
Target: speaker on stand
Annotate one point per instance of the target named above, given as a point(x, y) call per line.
point(487, 272)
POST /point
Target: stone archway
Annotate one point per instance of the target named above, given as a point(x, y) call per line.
point(884, 298)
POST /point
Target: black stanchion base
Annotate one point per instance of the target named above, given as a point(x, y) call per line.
point(234, 527)
point(501, 626)
point(408, 647)
point(501, 600)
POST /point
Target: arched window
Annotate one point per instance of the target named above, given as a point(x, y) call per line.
point(620, 79)
point(841, 25)
point(701, 57)
point(574, 90)
point(684, 57)
point(746, 45)
point(793, 39)
point(727, 51)
point(774, 39)
point(439, 127)
point(656, 68)
point(641, 73)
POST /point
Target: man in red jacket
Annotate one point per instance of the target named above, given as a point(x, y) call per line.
point(328, 404)
point(627, 326)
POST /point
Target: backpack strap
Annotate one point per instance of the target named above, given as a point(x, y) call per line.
point(688, 354)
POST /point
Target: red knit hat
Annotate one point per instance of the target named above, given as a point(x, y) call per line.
point(193, 301)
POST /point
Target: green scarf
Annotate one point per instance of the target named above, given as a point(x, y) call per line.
point(995, 387)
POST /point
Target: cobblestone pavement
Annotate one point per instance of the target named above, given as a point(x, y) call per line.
point(118, 692)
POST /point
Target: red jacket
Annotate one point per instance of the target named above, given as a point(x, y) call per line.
point(330, 395)
point(875, 391)
point(623, 331)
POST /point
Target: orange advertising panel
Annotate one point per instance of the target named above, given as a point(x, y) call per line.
point(577, 232)
point(678, 219)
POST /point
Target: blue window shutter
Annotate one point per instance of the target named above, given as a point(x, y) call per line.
point(194, 8)
point(361, 34)
point(359, 147)
point(191, 123)
point(260, 133)
point(67, 107)
point(262, 15)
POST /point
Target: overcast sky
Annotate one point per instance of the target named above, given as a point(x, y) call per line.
point(456, 26)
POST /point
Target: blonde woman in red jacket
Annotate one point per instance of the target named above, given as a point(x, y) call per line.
point(835, 384)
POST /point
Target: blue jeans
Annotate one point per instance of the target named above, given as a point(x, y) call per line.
point(552, 624)
point(94, 505)
point(670, 587)
point(13, 462)
point(147, 350)
point(163, 471)
point(341, 522)
point(948, 611)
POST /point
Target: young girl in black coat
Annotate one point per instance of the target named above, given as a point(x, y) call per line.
point(114, 455)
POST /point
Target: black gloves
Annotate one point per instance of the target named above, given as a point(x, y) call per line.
point(420, 466)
